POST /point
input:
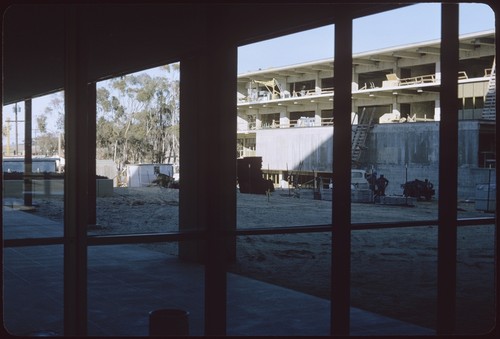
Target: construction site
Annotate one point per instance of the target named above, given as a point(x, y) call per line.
point(77, 263)
point(285, 117)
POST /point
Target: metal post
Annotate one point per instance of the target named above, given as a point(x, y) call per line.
point(209, 188)
point(341, 204)
point(92, 109)
point(448, 158)
point(76, 179)
point(489, 185)
point(17, 136)
point(28, 154)
point(406, 181)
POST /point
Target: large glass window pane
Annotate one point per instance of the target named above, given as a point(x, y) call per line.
point(476, 287)
point(284, 128)
point(476, 269)
point(395, 166)
point(33, 290)
point(284, 160)
point(393, 274)
point(127, 282)
point(402, 143)
point(280, 285)
point(33, 165)
point(137, 154)
point(396, 113)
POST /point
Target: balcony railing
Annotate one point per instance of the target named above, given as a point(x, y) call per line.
point(392, 81)
point(302, 122)
point(264, 96)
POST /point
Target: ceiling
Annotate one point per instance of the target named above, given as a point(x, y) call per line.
point(119, 39)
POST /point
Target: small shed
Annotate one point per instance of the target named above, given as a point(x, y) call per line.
point(142, 175)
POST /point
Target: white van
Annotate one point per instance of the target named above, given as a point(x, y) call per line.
point(358, 180)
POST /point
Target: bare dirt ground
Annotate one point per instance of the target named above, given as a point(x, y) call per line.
point(393, 271)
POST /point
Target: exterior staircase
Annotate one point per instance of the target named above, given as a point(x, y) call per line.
point(489, 109)
point(359, 135)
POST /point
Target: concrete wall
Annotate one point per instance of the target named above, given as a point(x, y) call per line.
point(288, 147)
point(405, 143)
point(416, 145)
point(45, 188)
point(403, 151)
point(108, 169)
point(38, 165)
point(468, 178)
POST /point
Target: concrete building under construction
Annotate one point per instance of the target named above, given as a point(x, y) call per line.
point(285, 115)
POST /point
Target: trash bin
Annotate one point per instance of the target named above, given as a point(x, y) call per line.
point(169, 322)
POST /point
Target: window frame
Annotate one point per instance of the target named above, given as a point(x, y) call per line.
point(76, 242)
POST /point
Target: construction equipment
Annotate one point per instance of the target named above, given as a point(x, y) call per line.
point(250, 180)
point(489, 108)
point(418, 189)
point(273, 86)
point(359, 135)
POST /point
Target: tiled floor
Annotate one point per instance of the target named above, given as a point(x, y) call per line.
point(126, 282)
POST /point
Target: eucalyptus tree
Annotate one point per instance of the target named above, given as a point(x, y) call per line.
point(138, 117)
point(49, 137)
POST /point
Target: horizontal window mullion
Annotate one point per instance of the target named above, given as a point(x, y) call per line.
point(144, 238)
point(23, 242)
point(99, 240)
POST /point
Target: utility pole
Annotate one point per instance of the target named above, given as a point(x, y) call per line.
point(16, 110)
point(8, 137)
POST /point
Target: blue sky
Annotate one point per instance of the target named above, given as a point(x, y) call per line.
point(411, 24)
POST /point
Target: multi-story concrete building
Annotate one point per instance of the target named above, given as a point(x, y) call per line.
point(285, 115)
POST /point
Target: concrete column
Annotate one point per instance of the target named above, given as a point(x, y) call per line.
point(354, 87)
point(437, 107)
point(438, 70)
point(317, 115)
point(355, 79)
point(258, 120)
point(208, 143)
point(396, 107)
point(284, 118)
point(397, 70)
point(317, 82)
point(284, 85)
point(76, 180)
point(208, 164)
point(437, 110)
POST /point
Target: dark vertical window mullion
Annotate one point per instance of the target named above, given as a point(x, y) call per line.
point(221, 205)
point(76, 178)
point(208, 141)
point(92, 130)
point(496, 9)
point(448, 158)
point(341, 202)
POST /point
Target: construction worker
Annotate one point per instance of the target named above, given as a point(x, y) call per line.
point(382, 183)
point(372, 181)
